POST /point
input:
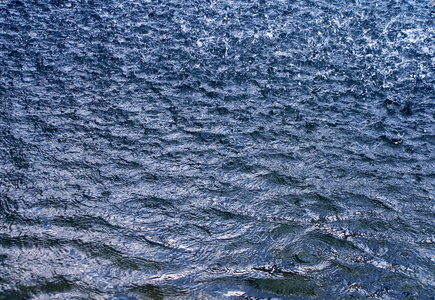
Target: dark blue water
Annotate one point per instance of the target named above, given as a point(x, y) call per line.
point(217, 149)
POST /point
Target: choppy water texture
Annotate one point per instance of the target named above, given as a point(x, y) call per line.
point(217, 149)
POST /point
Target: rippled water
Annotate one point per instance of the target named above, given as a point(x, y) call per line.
point(217, 149)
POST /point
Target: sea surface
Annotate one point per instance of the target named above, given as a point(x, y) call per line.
point(217, 149)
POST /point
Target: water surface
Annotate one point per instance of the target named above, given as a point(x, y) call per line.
point(217, 149)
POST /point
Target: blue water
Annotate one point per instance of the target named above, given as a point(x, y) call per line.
point(217, 149)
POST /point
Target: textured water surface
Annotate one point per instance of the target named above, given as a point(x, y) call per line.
point(217, 149)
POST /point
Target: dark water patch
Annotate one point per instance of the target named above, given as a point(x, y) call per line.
point(57, 285)
point(290, 287)
point(156, 292)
